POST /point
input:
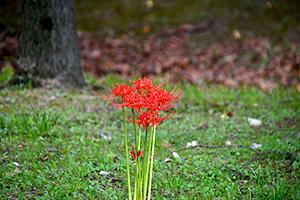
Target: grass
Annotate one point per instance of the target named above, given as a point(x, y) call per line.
point(51, 145)
point(251, 18)
point(6, 74)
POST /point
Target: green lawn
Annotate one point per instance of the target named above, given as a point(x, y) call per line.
point(53, 145)
point(273, 19)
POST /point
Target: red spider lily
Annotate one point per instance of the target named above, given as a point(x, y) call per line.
point(145, 85)
point(117, 94)
point(150, 117)
point(120, 90)
point(139, 154)
point(142, 84)
point(160, 99)
point(134, 101)
point(146, 98)
point(146, 118)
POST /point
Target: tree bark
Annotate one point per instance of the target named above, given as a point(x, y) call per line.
point(48, 41)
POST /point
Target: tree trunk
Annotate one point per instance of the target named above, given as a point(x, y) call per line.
point(48, 41)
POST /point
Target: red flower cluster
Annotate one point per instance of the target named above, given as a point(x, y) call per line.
point(146, 98)
point(139, 154)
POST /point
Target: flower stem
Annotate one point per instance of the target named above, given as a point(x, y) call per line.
point(135, 133)
point(139, 185)
point(127, 159)
point(148, 163)
point(139, 143)
point(152, 158)
point(135, 185)
point(144, 157)
point(138, 178)
point(136, 182)
point(140, 175)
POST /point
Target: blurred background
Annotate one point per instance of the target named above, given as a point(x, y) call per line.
point(229, 42)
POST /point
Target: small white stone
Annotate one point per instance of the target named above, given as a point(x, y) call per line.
point(191, 144)
point(103, 173)
point(194, 143)
point(223, 115)
point(104, 136)
point(254, 122)
point(255, 146)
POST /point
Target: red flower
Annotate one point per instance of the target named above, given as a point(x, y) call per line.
point(117, 94)
point(134, 101)
point(139, 154)
point(142, 84)
point(145, 85)
point(146, 98)
point(150, 117)
point(160, 99)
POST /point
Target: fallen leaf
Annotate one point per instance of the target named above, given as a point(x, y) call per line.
point(17, 164)
point(229, 58)
point(168, 159)
point(104, 136)
point(166, 144)
point(46, 157)
point(236, 34)
point(9, 173)
point(176, 155)
point(146, 29)
point(297, 85)
point(264, 86)
point(109, 63)
point(51, 98)
point(229, 114)
point(95, 175)
point(230, 83)
point(17, 170)
point(149, 3)
point(116, 159)
point(268, 4)
point(95, 54)
point(108, 55)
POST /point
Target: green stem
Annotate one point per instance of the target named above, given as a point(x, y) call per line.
point(139, 186)
point(127, 159)
point(148, 162)
point(136, 188)
point(152, 158)
point(144, 157)
point(138, 178)
point(136, 184)
point(140, 175)
point(135, 133)
point(139, 143)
